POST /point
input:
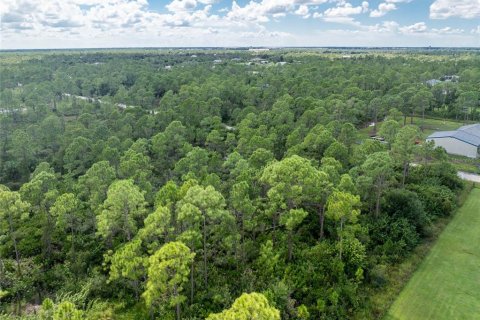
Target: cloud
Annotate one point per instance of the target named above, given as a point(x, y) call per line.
point(448, 30)
point(181, 5)
point(418, 27)
point(261, 11)
point(345, 9)
point(444, 9)
point(385, 7)
point(382, 10)
point(107, 23)
point(303, 11)
point(343, 13)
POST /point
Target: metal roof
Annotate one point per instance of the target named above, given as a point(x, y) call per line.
point(469, 134)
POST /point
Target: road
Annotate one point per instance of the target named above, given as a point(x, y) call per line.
point(469, 176)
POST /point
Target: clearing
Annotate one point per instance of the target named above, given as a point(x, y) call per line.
point(447, 283)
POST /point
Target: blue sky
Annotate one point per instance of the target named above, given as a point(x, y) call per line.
point(165, 23)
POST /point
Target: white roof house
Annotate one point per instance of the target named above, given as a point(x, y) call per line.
point(464, 141)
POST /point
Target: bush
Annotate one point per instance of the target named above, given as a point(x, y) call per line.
point(401, 203)
point(438, 201)
point(443, 173)
point(392, 237)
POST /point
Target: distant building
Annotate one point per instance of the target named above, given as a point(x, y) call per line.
point(446, 78)
point(464, 141)
point(258, 49)
point(433, 82)
point(452, 78)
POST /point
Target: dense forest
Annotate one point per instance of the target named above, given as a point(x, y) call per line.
point(216, 184)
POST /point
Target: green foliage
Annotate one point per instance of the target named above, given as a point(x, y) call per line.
point(123, 207)
point(168, 271)
point(260, 172)
point(67, 311)
point(248, 306)
point(127, 261)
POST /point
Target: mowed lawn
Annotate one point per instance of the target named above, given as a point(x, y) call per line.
point(447, 283)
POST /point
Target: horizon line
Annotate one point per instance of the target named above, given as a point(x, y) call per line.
point(240, 47)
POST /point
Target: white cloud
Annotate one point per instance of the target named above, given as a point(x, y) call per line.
point(448, 30)
point(260, 11)
point(382, 10)
point(444, 9)
point(181, 5)
point(418, 27)
point(384, 27)
point(303, 11)
point(345, 9)
point(107, 23)
point(343, 13)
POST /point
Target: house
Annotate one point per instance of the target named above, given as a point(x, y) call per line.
point(464, 141)
point(433, 82)
point(452, 78)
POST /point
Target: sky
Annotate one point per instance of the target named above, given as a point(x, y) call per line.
point(37, 24)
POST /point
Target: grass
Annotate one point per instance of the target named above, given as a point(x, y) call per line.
point(447, 283)
point(429, 125)
point(432, 125)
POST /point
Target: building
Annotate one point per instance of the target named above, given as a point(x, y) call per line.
point(433, 82)
point(464, 141)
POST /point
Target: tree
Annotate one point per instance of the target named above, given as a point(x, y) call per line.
point(124, 206)
point(158, 227)
point(315, 143)
point(389, 130)
point(378, 172)
point(167, 273)
point(23, 150)
point(93, 185)
point(407, 107)
point(339, 152)
point(403, 149)
point(202, 213)
point(348, 135)
point(13, 211)
point(128, 262)
point(41, 192)
point(375, 106)
point(291, 220)
point(342, 208)
point(294, 183)
point(267, 261)
point(196, 162)
point(66, 211)
point(78, 156)
point(67, 311)
point(394, 114)
point(244, 209)
point(169, 146)
point(135, 165)
point(249, 306)
point(421, 101)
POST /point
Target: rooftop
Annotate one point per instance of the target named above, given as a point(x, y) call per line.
point(469, 134)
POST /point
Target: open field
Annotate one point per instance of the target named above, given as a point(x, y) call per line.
point(447, 283)
point(429, 125)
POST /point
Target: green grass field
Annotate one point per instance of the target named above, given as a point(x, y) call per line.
point(447, 283)
point(429, 125)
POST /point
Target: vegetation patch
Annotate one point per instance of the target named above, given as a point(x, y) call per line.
point(447, 283)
